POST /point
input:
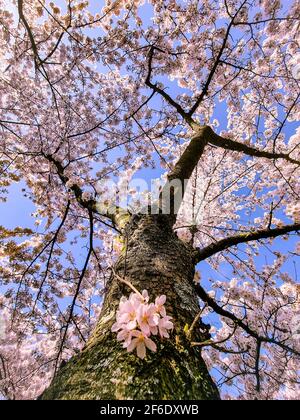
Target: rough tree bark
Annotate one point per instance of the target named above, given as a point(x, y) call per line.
point(157, 260)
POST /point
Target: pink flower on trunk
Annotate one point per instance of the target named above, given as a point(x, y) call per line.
point(126, 336)
point(148, 319)
point(159, 303)
point(128, 314)
point(164, 325)
point(137, 320)
point(140, 343)
point(140, 298)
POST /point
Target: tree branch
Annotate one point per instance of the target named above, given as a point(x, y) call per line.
point(37, 59)
point(190, 157)
point(157, 89)
point(235, 146)
point(239, 322)
point(116, 214)
point(173, 192)
point(216, 63)
point(213, 138)
point(223, 244)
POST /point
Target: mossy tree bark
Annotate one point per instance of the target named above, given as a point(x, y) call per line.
point(156, 260)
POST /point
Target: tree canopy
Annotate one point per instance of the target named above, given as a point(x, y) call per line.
point(95, 94)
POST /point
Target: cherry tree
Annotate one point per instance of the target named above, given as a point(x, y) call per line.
point(192, 294)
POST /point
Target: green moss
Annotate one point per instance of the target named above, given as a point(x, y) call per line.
point(107, 371)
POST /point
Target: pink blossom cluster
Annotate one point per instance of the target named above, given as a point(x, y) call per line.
point(137, 320)
point(293, 210)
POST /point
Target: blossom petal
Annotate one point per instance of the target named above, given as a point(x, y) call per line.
point(141, 350)
point(150, 344)
point(132, 345)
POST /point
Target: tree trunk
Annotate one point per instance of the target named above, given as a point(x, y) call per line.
point(155, 260)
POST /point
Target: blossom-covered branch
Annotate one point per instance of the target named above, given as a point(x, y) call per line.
point(114, 213)
point(217, 61)
point(219, 246)
point(204, 296)
point(233, 145)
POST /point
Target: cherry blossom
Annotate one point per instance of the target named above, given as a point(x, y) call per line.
point(159, 304)
point(140, 343)
point(137, 320)
point(165, 324)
